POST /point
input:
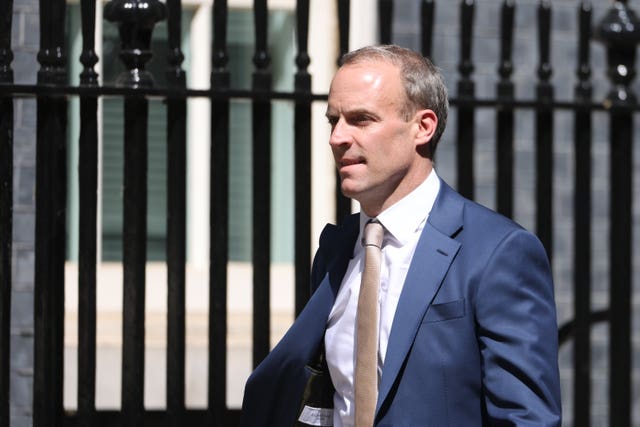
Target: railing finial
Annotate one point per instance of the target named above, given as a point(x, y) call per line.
point(6, 55)
point(136, 19)
point(88, 57)
point(619, 31)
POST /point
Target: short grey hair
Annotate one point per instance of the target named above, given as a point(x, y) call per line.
point(423, 83)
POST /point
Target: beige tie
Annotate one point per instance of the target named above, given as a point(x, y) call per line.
point(366, 375)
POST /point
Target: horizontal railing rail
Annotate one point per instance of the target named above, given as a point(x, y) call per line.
point(159, 93)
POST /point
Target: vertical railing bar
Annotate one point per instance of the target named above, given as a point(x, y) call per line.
point(6, 206)
point(582, 229)
point(59, 177)
point(385, 20)
point(42, 265)
point(344, 15)
point(134, 230)
point(302, 163)
point(505, 115)
point(544, 132)
point(618, 30)
point(219, 222)
point(136, 22)
point(88, 201)
point(427, 13)
point(466, 94)
point(176, 221)
point(261, 126)
point(621, 139)
point(343, 203)
point(50, 221)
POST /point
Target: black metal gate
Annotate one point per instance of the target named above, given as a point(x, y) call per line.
point(619, 31)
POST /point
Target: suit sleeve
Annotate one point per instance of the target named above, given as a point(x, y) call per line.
point(518, 335)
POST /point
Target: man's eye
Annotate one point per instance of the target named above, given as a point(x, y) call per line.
point(361, 120)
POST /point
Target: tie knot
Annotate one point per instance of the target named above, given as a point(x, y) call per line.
point(373, 234)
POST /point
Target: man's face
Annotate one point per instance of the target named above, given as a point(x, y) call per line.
point(374, 147)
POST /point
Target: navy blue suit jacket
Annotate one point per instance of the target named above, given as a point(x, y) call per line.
point(473, 341)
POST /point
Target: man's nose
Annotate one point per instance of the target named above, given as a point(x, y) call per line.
point(340, 134)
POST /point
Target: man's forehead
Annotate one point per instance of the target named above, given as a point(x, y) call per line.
point(352, 79)
point(368, 71)
point(358, 87)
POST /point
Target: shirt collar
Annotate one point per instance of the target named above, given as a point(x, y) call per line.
point(403, 218)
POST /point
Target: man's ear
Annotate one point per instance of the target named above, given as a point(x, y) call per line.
point(427, 122)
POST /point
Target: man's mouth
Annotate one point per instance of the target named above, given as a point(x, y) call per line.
point(350, 161)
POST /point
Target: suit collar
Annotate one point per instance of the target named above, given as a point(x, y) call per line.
point(448, 210)
point(435, 251)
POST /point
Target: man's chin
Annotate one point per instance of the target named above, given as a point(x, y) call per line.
point(349, 191)
point(354, 193)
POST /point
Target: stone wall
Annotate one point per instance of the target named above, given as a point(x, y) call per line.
point(25, 42)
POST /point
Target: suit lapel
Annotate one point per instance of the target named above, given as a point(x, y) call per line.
point(435, 251)
point(334, 252)
point(302, 339)
point(336, 245)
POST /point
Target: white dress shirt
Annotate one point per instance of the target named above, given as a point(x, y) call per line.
point(403, 223)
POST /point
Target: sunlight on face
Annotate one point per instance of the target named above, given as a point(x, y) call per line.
point(374, 147)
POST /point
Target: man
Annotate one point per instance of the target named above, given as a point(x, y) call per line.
point(467, 324)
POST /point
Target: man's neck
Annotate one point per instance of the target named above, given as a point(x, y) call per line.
point(374, 207)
